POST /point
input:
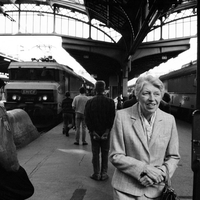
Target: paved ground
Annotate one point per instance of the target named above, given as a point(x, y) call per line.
point(59, 170)
point(182, 180)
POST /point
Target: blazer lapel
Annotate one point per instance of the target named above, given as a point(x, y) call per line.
point(158, 127)
point(137, 126)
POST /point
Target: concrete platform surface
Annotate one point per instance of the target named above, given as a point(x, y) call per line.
point(60, 170)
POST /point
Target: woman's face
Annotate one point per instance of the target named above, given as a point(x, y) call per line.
point(149, 98)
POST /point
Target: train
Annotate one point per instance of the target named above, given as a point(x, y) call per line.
point(181, 85)
point(39, 88)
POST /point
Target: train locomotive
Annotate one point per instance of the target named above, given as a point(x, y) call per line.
point(181, 85)
point(39, 88)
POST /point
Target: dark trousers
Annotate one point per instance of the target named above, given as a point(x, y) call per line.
point(68, 118)
point(100, 147)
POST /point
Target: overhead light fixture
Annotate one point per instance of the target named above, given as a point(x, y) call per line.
point(6, 59)
point(102, 25)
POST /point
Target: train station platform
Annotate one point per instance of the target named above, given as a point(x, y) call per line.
point(60, 170)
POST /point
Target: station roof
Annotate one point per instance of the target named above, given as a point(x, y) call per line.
point(131, 18)
point(126, 16)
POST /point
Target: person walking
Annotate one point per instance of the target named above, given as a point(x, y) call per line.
point(78, 104)
point(99, 117)
point(144, 145)
point(68, 113)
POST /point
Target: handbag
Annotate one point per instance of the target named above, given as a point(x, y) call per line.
point(15, 185)
point(168, 191)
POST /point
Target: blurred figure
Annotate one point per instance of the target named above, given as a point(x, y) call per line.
point(78, 104)
point(131, 101)
point(68, 113)
point(99, 116)
point(164, 104)
point(144, 145)
point(2, 83)
point(119, 103)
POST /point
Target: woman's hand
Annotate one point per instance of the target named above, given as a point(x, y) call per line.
point(146, 181)
point(154, 174)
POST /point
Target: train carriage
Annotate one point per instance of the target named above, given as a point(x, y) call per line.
point(181, 85)
point(39, 88)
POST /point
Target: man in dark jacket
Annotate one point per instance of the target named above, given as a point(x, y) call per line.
point(99, 117)
point(68, 113)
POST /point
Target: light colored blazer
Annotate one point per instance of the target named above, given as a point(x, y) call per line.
point(130, 152)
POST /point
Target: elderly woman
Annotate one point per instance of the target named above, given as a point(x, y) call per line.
point(144, 144)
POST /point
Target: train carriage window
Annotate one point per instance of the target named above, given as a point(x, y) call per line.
point(33, 74)
point(48, 74)
point(36, 74)
point(56, 75)
point(18, 74)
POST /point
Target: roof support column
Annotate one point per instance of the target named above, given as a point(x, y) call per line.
point(161, 29)
point(19, 19)
point(125, 79)
point(113, 86)
point(90, 30)
point(54, 19)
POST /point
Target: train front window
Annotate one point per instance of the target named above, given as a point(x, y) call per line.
point(32, 74)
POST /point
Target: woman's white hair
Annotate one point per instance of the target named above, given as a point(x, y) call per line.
point(142, 80)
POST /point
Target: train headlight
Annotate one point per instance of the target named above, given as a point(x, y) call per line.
point(16, 97)
point(43, 98)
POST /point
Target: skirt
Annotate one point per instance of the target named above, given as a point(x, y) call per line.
point(118, 195)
